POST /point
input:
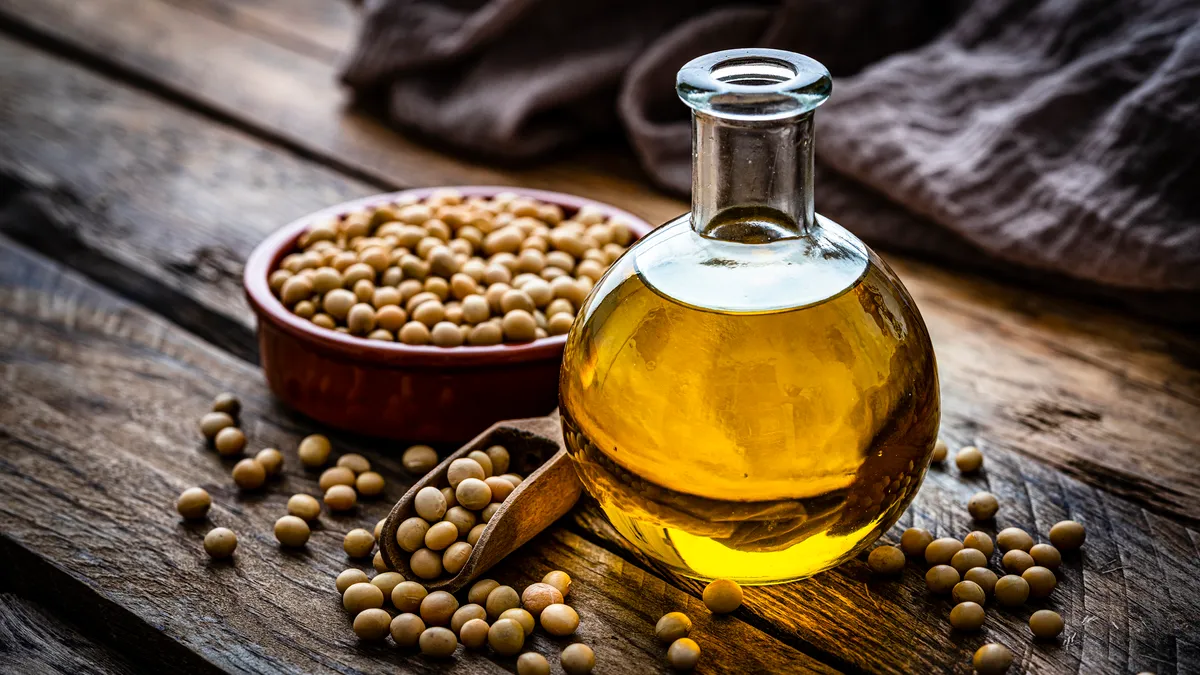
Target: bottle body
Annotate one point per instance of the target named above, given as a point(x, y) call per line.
point(750, 411)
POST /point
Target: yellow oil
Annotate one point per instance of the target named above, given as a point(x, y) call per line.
point(762, 436)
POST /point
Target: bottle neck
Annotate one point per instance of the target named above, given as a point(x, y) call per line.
point(752, 179)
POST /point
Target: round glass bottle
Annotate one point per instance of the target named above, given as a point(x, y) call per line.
point(750, 392)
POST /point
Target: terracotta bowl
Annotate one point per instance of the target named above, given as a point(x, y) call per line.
point(393, 390)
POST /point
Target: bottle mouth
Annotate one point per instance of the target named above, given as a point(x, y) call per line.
point(753, 84)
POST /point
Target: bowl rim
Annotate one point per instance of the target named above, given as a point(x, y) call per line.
point(266, 256)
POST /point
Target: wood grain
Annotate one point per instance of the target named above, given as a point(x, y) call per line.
point(295, 99)
point(319, 29)
point(33, 641)
point(1108, 401)
point(98, 437)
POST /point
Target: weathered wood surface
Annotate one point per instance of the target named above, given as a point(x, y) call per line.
point(292, 97)
point(1081, 412)
point(33, 641)
point(97, 438)
point(843, 617)
point(108, 180)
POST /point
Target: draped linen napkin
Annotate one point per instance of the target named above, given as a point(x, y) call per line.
point(1054, 136)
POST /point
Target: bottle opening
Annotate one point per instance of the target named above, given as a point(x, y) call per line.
point(752, 72)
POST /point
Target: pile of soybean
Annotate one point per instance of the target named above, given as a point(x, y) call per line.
point(343, 484)
point(496, 616)
point(961, 569)
point(450, 270)
point(451, 519)
point(493, 615)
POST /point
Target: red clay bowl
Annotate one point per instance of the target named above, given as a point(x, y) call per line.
point(393, 390)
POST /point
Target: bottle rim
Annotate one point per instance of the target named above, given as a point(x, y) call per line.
point(755, 84)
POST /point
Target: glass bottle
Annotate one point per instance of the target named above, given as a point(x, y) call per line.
point(750, 392)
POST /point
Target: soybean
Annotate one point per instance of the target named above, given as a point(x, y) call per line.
point(362, 596)
point(474, 633)
point(968, 459)
point(193, 503)
point(683, 654)
point(672, 626)
point(408, 595)
point(341, 498)
point(967, 616)
point(406, 629)
point(522, 617)
point(271, 460)
point(350, 577)
point(941, 551)
point(559, 620)
point(560, 580)
point(358, 543)
point(968, 591)
point(212, 423)
point(438, 642)
point(1041, 581)
point(992, 659)
point(419, 459)
point(914, 541)
point(539, 596)
point(722, 596)
point(980, 541)
point(292, 531)
point(983, 506)
point(985, 578)
point(1046, 555)
point(229, 441)
point(532, 663)
point(578, 659)
point(1067, 536)
point(506, 637)
point(304, 506)
point(941, 579)
point(314, 451)
point(480, 590)
point(220, 542)
point(249, 474)
point(372, 624)
point(500, 599)
point(967, 559)
point(1045, 624)
point(1012, 590)
point(886, 560)
point(1014, 538)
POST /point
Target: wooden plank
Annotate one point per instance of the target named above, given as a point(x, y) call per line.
point(107, 179)
point(157, 173)
point(295, 99)
point(319, 29)
point(34, 641)
point(97, 438)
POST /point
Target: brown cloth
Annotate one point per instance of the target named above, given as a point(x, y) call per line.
point(1058, 135)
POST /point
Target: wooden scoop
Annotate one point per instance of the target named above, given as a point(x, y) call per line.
point(549, 490)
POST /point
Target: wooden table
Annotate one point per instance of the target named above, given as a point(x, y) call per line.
point(147, 145)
